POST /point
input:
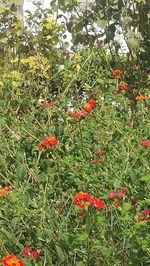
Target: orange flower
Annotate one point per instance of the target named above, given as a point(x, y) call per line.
point(48, 142)
point(11, 260)
point(141, 97)
point(87, 107)
point(5, 191)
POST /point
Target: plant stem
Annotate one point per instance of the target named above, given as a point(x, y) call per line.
point(88, 240)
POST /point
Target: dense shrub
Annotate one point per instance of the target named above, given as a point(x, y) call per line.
point(74, 149)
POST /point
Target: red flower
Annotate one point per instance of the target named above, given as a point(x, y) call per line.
point(116, 202)
point(142, 218)
point(102, 152)
point(87, 107)
point(119, 193)
point(35, 254)
point(81, 215)
point(117, 73)
point(48, 142)
point(26, 251)
point(122, 86)
point(99, 160)
point(83, 199)
point(92, 161)
point(11, 260)
point(145, 143)
point(98, 203)
point(146, 212)
point(77, 115)
point(92, 102)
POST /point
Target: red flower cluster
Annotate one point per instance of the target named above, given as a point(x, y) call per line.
point(48, 142)
point(47, 104)
point(77, 115)
point(122, 86)
point(119, 193)
point(145, 216)
point(117, 73)
point(83, 200)
point(11, 260)
point(146, 212)
point(28, 253)
point(91, 104)
point(99, 160)
point(145, 143)
point(102, 152)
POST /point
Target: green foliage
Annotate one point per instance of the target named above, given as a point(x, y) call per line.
point(38, 186)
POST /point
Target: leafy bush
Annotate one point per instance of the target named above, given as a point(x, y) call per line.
point(75, 173)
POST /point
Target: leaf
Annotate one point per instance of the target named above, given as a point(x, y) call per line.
point(127, 206)
point(145, 178)
point(21, 171)
point(133, 43)
point(27, 262)
point(141, 1)
point(20, 155)
point(102, 23)
point(60, 253)
point(81, 237)
point(8, 235)
point(80, 263)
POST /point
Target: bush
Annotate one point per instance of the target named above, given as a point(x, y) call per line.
point(74, 151)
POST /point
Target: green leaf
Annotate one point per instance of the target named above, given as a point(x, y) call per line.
point(80, 263)
point(102, 23)
point(81, 237)
point(21, 171)
point(127, 206)
point(133, 43)
point(60, 253)
point(145, 178)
